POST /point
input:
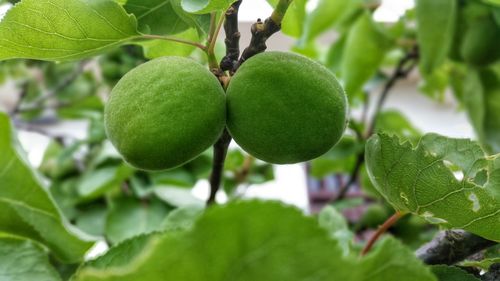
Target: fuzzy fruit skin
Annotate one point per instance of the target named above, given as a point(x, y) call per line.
point(164, 113)
point(284, 108)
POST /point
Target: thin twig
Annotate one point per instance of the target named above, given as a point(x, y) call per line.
point(232, 40)
point(173, 39)
point(404, 67)
point(381, 230)
point(261, 31)
point(220, 152)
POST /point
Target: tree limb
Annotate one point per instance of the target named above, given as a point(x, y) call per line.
point(232, 40)
point(452, 246)
point(261, 31)
point(220, 152)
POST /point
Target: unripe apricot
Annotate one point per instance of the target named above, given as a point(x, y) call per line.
point(165, 112)
point(285, 108)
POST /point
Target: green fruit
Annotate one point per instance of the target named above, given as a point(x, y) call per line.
point(164, 113)
point(285, 108)
point(481, 41)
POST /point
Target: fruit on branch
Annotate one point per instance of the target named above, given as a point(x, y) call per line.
point(284, 108)
point(165, 112)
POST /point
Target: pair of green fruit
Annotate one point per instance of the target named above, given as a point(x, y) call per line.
point(279, 107)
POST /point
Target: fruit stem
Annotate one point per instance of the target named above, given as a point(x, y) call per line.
point(232, 40)
point(212, 39)
point(173, 39)
point(220, 152)
point(261, 31)
point(381, 230)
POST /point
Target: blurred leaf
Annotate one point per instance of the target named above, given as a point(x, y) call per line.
point(483, 264)
point(23, 260)
point(177, 197)
point(156, 16)
point(334, 222)
point(34, 216)
point(53, 165)
point(178, 177)
point(92, 220)
point(160, 48)
point(420, 180)
point(130, 217)
point(482, 101)
point(452, 273)
point(365, 49)
point(435, 27)
point(206, 6)
point(322, 17)
point(336, 54)
point(394, 122)
point(94, 183)
point(294, 17)
point(200, 22)
point(340, 159)
point(242, 241)
point(435, 84)
point(64, 30)
point(182, 218)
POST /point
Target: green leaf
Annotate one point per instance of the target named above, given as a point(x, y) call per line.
point(23, 260)
point(435, 28)
point(59, 30)
point(182, 218)
point(160, 48)
point(326, 14)
point(95, 183)
point(200, 22)
point(452, 273)
point(340, 159)
point(333, 221)
point(129, 217)
point(27, 208)
point(177, 197)
point(206, 6)
point(294, 17)
point(483, 264)
point(156, 16)
point(364, 52)
point(242, 241)
point(482, 101)
point(422, 181)
point(394, 122)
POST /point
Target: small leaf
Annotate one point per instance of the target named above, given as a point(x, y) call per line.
point(23, 260)
point(161, 48)
point(129, 217)
point(206, 6)
point(482, 101)
point(59, 30)
point(177, 197)
point(241, 241)
point(27, 210)
point(363, 53)
point(333, 221)
point(422, 181)
point(294, 17)
point(156, 16)
point(95, 183)
point(452, 273)
point(394, 122)
point(326, 14)
point(435, 28)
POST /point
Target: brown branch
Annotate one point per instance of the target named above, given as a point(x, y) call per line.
point(220, 152)
point(232, 40)
point(404, 67)
point(452, 246)
point(381, 230)
point(261, 31)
